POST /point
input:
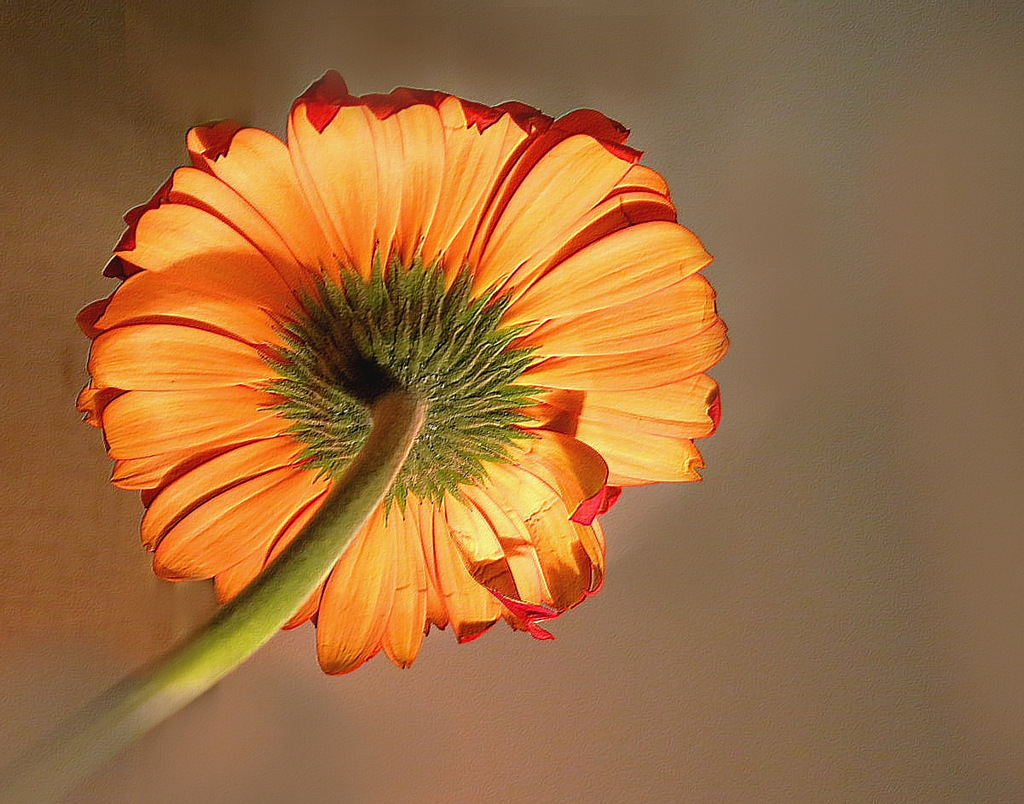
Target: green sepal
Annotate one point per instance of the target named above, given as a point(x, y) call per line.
point(408, 329)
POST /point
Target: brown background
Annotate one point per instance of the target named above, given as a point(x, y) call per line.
point(835, 614)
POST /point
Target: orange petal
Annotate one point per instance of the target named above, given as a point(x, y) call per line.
point(152, 471)
point(167, 357)
point(477, 542)
point(474, 161)
point(570, 179)
point(230, 526)
point(423, 152)
point(227, 585)
point(357, 599)
point(566, 464)
point(258, 167)
point(143, 423)
point(639, 448)
point(686, 404)
point(337, 170)
point(216, 475)
point(544, 137)
point(390, 181)
point(631, 370)
point(516, 544)
point(404, 632)
point(150, 297)
point(232, 581)
point(672, 314)
point(619, 211)
point(567, 567)
point(197, 188)
point(626, 265)
point(471, 608)
point(592, 539)
point(643, 178)
point(92, 401)
point(436, 612)
point(409, 159)
point(208, 255)
point(640, 196)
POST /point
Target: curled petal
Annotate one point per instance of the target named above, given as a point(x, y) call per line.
point(472, 609)
point(529, 614)
point(481, 550)
point(93, 400)
point(564, 560)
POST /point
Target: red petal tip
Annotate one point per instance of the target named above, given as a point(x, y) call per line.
point(323, 99)
point(215, 138)
point(623, 152)
point(596, 505)
point(463, 638)
point(117, 268)
point(529, 613)
point(479, 115)
point(592, 122)
point(133, 215)
point(610, 133)
point(526, 117)
point(715, 411)
point(89, 315)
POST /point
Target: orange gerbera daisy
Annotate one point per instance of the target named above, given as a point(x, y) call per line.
point(523, 276)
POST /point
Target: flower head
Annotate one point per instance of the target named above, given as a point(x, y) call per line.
point(524, 276)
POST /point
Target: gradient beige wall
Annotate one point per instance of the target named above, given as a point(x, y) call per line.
point(835, 614)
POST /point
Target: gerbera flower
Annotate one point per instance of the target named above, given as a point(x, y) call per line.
point(524, 277)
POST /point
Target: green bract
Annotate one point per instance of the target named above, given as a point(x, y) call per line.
point(404, 329)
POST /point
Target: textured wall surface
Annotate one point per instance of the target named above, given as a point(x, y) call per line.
point(835, 613)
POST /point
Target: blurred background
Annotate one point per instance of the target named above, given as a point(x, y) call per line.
point(835, 614)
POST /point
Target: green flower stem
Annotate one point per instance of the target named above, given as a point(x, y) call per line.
point(128, 710)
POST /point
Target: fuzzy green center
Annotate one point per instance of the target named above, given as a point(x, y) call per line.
point(404, 329)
